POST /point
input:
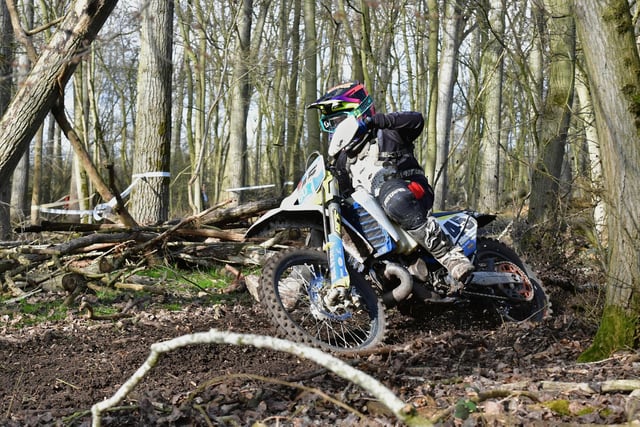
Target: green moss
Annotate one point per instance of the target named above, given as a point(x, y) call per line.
point(175, 306)
point(162, 129)
point(617, 331)
point(606, 412)
point(560, 406)
point(632, 96)
point(620, 16)
point(464, 408)
point(38, 312)
point(586, 411)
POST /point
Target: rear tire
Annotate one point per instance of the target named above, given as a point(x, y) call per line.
point(494, 253)
point(292, 285)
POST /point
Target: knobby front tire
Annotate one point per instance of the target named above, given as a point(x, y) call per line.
point(292, 287)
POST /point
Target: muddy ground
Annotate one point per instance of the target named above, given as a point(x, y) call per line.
point(455, 369)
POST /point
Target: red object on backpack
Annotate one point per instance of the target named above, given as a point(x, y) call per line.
point(416, 189)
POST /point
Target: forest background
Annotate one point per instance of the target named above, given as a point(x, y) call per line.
point(532, 108)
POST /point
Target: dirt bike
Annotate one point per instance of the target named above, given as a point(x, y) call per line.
point(352, 262)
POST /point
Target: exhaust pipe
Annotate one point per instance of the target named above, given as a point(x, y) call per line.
point(403, 290)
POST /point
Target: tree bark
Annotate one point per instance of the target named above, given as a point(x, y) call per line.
point(606, 32)
point(446, 79)
point(152, 152)
point(6, 59)
point(48, 78)
point(310, 76)
point(556, 114)
point(432, 65)
point(492, 70)
point(236, 165)
point(294, 161)
point(593, 149)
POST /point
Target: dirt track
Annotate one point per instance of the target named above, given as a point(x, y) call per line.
point(52, 374)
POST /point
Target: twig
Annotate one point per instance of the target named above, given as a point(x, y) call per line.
point(404, 412)
point(121, 210)
point(93, 316)
point(311, 390)
point(143, 246)
point(23, 296)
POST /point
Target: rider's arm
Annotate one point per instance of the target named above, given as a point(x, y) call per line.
point(408, 123)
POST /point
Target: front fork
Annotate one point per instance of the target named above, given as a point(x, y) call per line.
point(333, 230)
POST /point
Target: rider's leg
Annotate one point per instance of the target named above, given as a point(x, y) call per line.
point(439, 244)
point(408, 203)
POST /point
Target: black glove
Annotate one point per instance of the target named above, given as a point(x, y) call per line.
point(377, 121)
point(368, 122)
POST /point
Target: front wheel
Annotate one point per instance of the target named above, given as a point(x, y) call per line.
point(531, 302)
point(292, 288)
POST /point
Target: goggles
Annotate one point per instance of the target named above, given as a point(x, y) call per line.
point(329, 122)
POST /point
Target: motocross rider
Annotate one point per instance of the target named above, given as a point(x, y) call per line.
point(380, 160)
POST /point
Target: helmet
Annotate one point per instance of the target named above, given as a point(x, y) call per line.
point(341, 101)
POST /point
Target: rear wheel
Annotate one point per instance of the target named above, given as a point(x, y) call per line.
point(292, 288)
point(528, 301)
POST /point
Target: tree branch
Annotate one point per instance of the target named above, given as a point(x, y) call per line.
point(404, 412)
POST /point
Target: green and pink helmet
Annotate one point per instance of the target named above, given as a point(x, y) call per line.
point(346, 99)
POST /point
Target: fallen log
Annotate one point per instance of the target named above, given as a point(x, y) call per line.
point(244, 211)
point(104, 254)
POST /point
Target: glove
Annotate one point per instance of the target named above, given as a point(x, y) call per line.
point(368, 121)
point(379, 121)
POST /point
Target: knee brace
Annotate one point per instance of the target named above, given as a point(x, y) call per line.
point(401, 205)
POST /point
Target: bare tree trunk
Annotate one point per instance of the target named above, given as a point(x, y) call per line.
point(47, 79)
point(446, 79)
point(150, 198)
point(20, 178)
point(606, 32)
point(593, 148)
point(492, 69)
point(474, 135)
point(432, 64)
point(37, 176)
point(6, 59)
point(198, 138)
point(293, 159)
point(236, 167)
point(19, 186)
point(195, 91)
point(79, 183)
point(310, 76)
point(555, 116)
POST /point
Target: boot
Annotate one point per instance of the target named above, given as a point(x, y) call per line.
point(439, 244)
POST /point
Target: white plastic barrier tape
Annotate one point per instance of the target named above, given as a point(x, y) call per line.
point(103, 208)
